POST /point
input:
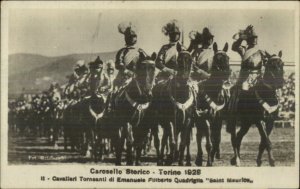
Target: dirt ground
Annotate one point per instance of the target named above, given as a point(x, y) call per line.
point(32, 150)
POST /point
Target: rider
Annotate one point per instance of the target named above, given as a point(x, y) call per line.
point(251, 68)
point(78, 80)
point(202, 55)
point(167, 57)
point(252, 58)
point(128, 56)
point(98, 79)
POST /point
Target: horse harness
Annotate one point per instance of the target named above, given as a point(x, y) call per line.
point(93, 113)
point(183, 106)
point(225, 92)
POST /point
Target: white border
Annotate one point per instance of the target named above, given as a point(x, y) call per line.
point(27, 176)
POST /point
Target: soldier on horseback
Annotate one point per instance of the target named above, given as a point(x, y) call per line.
point(252, 58)
point(78, 80)
point(98, 79)
point(128, 56)
point(251, 67)
point(202, 53)
point(167, 57)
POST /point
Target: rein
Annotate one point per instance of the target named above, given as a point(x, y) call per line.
point(212, 104)
point(182, 106)
point(138, 107)
point(95, 115)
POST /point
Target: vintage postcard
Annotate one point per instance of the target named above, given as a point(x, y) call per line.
point(138, 94)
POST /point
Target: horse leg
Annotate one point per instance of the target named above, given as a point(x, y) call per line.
point(164, 142)
point(154, 132)
point(139, 135)
point(182, 146)
point(118, 145)
point(208, 145)
point(230, 128)
point(188, 142)
point(264, 131)
point(245, 126)
point(216, 138)
point(199, 158)
point(129, 144)
point(172, 144)
point(188, 154)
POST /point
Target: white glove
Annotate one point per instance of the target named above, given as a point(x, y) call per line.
point(268, 108)
point(213, 106)
point(169, 70)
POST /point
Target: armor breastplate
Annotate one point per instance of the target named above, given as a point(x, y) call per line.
point(203, 59)
point(171, 57)
point(131, 58)
point(252, 60)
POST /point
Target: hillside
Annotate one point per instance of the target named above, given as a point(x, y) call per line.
point(36, 72)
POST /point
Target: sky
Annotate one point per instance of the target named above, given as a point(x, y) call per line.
point(55, 32)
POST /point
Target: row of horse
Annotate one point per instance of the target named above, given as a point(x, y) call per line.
point(176, 105)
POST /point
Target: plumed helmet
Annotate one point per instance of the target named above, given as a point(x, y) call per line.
point(195, 36)
point(80, 66)
point(171, 27)
point(250, 32)
point(110, 64)
point(98, 63)
point(127, 29)
point(206, 34)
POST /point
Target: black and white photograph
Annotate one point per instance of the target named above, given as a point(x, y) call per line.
point(115, 85)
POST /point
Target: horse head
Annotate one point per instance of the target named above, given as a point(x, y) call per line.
point(274, 73)
point(145, 73)
point(184, 64)
point(220, 66)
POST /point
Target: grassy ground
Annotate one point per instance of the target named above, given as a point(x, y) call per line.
point(30, 150)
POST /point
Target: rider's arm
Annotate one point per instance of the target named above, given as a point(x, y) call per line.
point(159, 62)
point(237, 47)
point(265, 105)
point(203, 74)
point(119, 60)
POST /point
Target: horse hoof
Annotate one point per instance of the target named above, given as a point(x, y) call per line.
point(218, 155)
point(233, 161)
point(258, 162)
point(168, 163)
point(198, 162)
point(159, 163)
point(238, 163)
point(118, 164)
point(188, 164)
point(180, 163)
point(209, 164)
point(138, 163)
point(272, 163)
point(88, 154)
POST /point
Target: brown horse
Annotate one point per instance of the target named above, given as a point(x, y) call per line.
point(130, 105)
point(174, 102)
point(263, 104)
point(211, 100)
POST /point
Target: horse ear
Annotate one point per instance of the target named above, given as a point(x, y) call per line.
point(280, 54)
point(225, 49)
point(153, 56)
point(215, 47)
point(267, 54)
